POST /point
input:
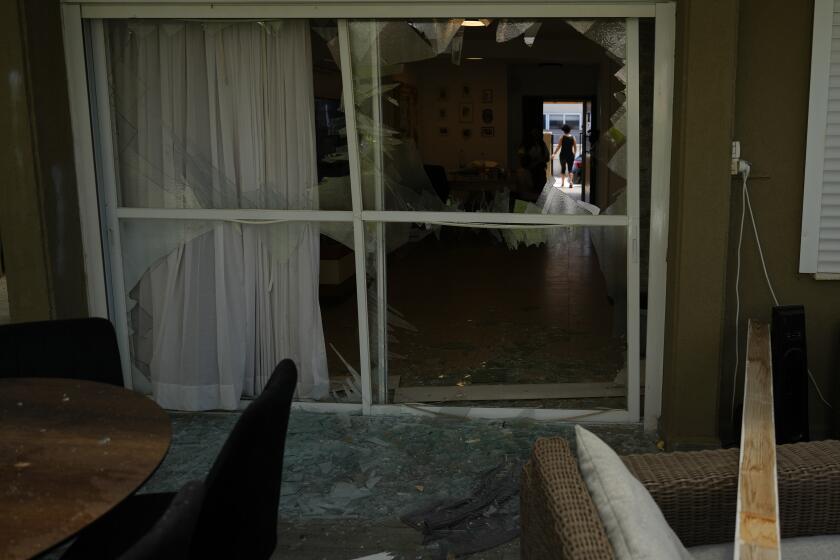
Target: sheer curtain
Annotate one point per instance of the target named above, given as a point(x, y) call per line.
point(218, 116)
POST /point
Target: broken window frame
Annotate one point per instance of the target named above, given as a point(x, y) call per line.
point(629, 221)
point(104, 287)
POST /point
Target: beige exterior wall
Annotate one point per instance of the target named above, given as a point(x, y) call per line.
point(20, 206)
point(706, 44)
point(763, 49)
point(39, 208)
point(774, 54)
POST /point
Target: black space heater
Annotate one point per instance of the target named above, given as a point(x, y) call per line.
point(790, 374)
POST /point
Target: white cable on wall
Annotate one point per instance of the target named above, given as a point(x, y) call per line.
point(746, 204)
point(757, 240)
point(746, 174)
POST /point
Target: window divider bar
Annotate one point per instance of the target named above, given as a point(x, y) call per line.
point(385, 216)
point(381, 252)
point(79, 95)
point(270, 9)
point(633, 249)
point(358, 226)
point(244, 214)
point(663, 87)
point(492, 218)
point(107, 180)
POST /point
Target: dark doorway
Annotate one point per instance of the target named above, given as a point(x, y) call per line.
point(534, 116)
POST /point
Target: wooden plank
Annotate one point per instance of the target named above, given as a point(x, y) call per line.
point(757, 532)
point(531, 391)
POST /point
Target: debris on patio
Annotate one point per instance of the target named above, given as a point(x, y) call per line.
point(485, 519)
point(340, 466)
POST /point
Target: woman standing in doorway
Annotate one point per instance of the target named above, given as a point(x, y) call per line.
point(567, 148)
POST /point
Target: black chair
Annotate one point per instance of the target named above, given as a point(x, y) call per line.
point(172, 535)
point(73, 348)
point(239, 517)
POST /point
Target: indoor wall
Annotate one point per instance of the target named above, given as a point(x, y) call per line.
point(451, 149)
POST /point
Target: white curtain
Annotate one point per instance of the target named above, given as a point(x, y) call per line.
point(218, 116)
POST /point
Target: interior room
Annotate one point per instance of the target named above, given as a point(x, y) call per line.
point(554, 300)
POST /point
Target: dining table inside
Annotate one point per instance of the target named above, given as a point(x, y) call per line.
point(482, 194)
point(70, 451)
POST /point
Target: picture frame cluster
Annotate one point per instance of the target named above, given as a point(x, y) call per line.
point(467, 113)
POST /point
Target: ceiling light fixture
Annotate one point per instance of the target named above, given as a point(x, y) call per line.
point(475, 58)
point(475, 23)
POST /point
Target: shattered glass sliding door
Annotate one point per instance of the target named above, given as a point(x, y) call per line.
point(487, 283)
point(465, 263)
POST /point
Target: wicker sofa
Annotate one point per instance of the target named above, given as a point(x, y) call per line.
point(696, 492)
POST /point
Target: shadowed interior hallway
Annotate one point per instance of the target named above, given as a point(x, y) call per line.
point(482, 313)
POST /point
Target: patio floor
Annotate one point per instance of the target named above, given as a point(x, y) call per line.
point(347, 479)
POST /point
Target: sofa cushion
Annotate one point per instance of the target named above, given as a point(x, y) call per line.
point(635, 527)
point(821, 547)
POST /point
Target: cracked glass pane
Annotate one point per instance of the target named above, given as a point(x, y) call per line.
point(199, 117)
point(508, 317)
point(221, 300)
point(468, 115)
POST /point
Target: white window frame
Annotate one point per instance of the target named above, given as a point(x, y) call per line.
point(74, 12)
point(816, 141)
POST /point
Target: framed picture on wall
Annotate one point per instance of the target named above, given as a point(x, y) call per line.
point(442, 113)
point(466, 91)
point(465, 115)
point(488, 131)
point(487, 96)
point(487, 116)
point(466, 133)
point(443, 131)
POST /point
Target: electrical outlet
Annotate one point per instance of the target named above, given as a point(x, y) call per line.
point(734, 167)
point(736, 153)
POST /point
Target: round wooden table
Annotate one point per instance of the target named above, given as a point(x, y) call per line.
point(69, 452)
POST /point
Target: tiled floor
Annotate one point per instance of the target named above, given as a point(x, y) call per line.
point(533, 314)
point(481, 312)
